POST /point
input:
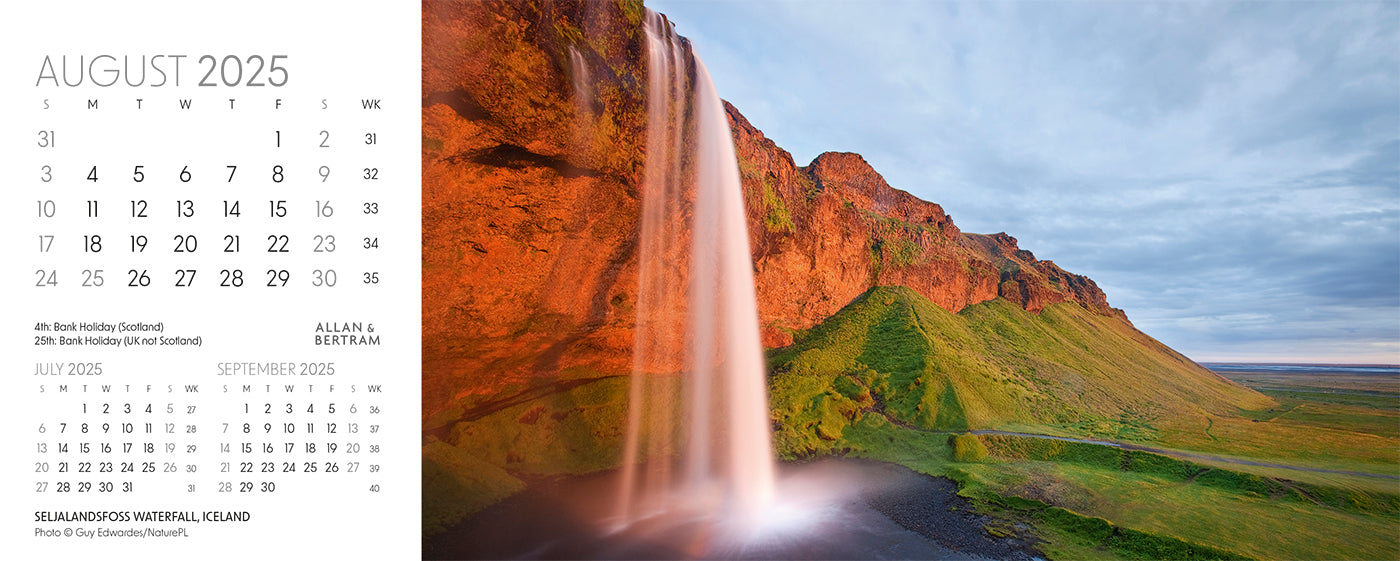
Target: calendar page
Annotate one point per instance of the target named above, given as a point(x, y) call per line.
point(211, 319)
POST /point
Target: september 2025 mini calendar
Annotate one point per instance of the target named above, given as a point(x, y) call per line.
point(211, 236)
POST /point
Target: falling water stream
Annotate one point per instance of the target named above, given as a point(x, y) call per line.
point(578, 69)
point(720, 427)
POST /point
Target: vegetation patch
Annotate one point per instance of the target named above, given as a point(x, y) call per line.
point(904, 253)
point(968, 448)
point(1126, 542)
point(776, 217)
point(993, 365)
point(633, 11)
point(1009, 447)
point(810, 189)
point(456, 484)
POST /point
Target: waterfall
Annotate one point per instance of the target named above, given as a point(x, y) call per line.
point(724, 311)
point(649, 412)
point(724, 434)
point(583, 107)
point(578, 69)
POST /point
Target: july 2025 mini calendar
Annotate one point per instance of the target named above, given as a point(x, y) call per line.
point(211, 235)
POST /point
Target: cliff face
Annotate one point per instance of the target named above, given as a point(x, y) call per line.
point(825, 233)
point(531, 193)
point(529, 228)
point(1035, 284)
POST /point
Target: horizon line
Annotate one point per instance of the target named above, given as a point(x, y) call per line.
point(1296, 363)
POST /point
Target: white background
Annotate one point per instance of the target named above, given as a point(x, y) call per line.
point(341, 52)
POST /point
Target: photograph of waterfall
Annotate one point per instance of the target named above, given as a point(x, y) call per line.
point(687, 293)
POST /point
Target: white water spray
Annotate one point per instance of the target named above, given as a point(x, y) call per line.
point(578, 69)
point(724, 313)
point(728, 449)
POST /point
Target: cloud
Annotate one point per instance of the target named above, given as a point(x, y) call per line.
point(1229, 172)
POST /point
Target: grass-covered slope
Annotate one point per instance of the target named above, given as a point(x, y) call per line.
point(893, 354)
point(1069, 487)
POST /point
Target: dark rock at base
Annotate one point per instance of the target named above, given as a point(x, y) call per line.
point(930, 506)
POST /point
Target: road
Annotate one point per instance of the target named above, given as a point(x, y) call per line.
point(1190, 455)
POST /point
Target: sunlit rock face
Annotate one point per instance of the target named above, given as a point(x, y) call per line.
point(535, 122)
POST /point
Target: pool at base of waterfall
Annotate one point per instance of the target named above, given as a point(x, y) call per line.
point(825, 509)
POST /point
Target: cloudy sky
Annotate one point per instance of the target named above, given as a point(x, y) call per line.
point(1229, 173)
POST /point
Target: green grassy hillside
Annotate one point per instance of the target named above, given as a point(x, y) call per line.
point(893, 354)
point(889, 378)
point(1162, 498)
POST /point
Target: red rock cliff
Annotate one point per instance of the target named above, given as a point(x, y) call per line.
point(530, 207)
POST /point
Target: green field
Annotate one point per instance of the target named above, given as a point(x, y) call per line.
point(991, 366)
point(893, 377)
point(1089, 501)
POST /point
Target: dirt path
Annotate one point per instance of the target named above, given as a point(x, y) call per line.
point(1190, 455)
